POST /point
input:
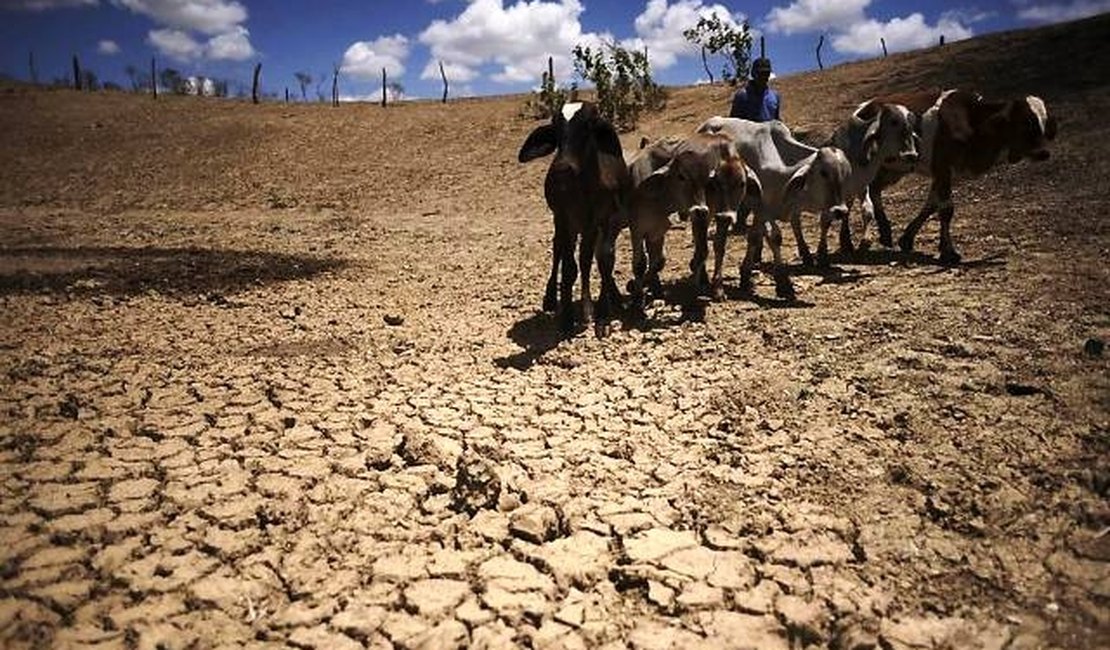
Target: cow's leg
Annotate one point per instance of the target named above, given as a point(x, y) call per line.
point(948, 254)
point(550, 296)
point(823, 243)
point(699, 225)
point(569, 271)
point(639, 270)
point(882, 222)
point(606, 260)
point(783, 287)
point(754, 254)
point(720, 240)
point(905, 242)
point(656, 260)
point(867, 212)
point(845, 242)
point(585, 265)
point(799, 238)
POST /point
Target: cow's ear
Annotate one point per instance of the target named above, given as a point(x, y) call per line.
point(871, 140)
point(540, 142)
point(752, 187)
point(656, 182)
point(644, 141)
point(797, 182)
point(867, 110)
point(607, 139)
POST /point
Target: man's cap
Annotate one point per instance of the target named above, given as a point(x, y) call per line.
point(762, 64)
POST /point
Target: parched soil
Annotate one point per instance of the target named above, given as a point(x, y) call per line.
point(277, 375)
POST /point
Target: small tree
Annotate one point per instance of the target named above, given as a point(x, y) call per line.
point(132, 73)
point(720, 38)
point(549, 99)
point(89, 80)
point(623, 82)
point(303, 79)
point(172, 81)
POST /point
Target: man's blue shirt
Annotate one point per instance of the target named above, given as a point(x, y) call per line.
point(750, 103)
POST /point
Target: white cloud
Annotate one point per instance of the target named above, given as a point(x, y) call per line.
point(1063, 11)
point(45, 5)
point(518, 39)
point(207, 16)
point(232, 46)
point(365, 59)
point(900, 34)
point(107, 47)
point(175, 44)
point(816, 15)
point(659, 28)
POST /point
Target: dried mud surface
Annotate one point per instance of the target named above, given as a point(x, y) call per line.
point(276, 375)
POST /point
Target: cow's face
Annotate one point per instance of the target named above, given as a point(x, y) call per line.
point(892, 138)
point(728, 186)
point(1029, 129)
point(576, 132)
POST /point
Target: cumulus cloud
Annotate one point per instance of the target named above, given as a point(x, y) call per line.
point(234, 45)
point(175, 44)
point(45, 5)
point(517, 38)
point(659, 28)
point(1062, 11)
point(900, 34)
point(365, 59)
point(107, 47)
point(206, 16)
point(804, 16)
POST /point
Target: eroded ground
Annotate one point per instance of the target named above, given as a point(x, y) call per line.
point(275, 420)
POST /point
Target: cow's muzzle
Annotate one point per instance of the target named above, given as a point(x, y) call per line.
point(699, 211)
point(838, 212)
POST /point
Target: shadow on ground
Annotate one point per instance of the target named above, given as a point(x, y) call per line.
point(125, 271)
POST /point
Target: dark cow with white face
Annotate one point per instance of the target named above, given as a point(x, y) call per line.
point(794, 178)
point(694, 177)
point(962, 134)
point(586, 188)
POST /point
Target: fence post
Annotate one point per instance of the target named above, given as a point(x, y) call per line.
point(820, 42)
point(153, 80)
point(335, 86)
point(383, 87)
point(444, 75)
point(942, 40)
point(254, 86)
point(883, 41)
point(31, 65)
point(76, 74)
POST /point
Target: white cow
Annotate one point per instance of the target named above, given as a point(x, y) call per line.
point(794, 177)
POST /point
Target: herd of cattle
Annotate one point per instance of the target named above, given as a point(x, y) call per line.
point(731, 167)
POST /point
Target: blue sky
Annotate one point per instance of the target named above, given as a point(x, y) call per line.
point(486, 46)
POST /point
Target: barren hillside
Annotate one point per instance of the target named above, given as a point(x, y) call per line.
point(276, 375)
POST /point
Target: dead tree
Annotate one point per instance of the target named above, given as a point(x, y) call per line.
point(942, 40)
point(254, 86)
point(76, 74)
point(335, 86)
point(706, 64)
point(383, 87)
point(287, 94)
point(444, 75)
point(153, 80)
point(883, 41)
point(820, 42)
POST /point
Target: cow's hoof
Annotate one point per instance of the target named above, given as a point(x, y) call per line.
point(949, 258)
point(823, 259)
point(784, 288)
point(906, 244)
point(847, 248)
point(807, 259)
point(886, 239)
point(549, 304)
point(566, 325)
point(601, 329)
point(863, 246)
point(630, 286)
point(717, 292)
point(655, 288)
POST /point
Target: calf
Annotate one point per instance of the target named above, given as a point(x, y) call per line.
point(793, 177)
point(962, 134)
point(876, 136)
point(586, 188)
point(694, 177)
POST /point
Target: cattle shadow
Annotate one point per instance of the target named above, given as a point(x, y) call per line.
point(123, 271)
point(537, 334)
point(888, 256)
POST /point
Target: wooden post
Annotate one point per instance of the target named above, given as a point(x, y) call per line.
point(705, 64)
point(153, 80)
point(942, 40)
point(444, 75)
point(335, 86)
point(76, 74)
point(762, 48)
point(383, 87)
point(820, 42)
point(883, 41)
point(31, 65)
point(254, 86)
point(287, 94)
point(551, 71)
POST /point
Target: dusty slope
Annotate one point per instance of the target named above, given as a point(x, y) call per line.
point(211, 436)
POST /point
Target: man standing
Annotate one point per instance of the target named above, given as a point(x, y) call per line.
point(755, 101)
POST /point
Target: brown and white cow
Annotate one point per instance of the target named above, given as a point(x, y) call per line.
point(962, 134)
point(586, 188)
point(695, 177)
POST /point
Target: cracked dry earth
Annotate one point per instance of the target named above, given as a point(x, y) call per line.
point(278, 421)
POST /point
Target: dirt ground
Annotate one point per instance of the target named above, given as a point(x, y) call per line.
point(277, 375)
